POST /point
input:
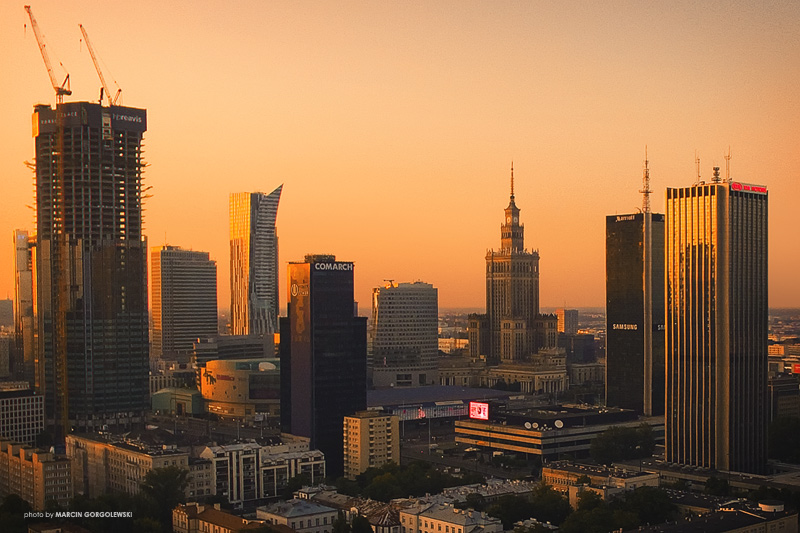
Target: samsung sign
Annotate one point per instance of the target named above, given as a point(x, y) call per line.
point(333, 266)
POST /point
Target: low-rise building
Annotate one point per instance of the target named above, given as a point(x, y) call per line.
point(34, 475)
point(738, 517)
point(250, 471)
point(197, 518)
point(548, 431)
point(421, 517)
point(103, 464)
point(371, 439)
point(303, 516)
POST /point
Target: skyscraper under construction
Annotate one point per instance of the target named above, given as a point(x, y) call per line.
point(91, 267)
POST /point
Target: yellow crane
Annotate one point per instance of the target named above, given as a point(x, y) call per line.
point(63, 89)
point(118, 94)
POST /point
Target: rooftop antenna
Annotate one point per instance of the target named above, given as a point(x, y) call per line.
point(697, 165)
point(512, 180)
point(728, 165)
point(646, 184)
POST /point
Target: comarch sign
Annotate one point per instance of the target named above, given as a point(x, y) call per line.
point(333, 266)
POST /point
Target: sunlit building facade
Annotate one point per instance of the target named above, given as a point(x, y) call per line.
point(254, 262)
point(512, 328)
point(403, 342)
point(716, 326)
point(184, 299)
point(25, 305)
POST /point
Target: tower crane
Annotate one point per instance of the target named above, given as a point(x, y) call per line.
point(118, 94)
point(64, 88)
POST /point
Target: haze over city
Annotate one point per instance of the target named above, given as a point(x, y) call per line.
point(393, 126)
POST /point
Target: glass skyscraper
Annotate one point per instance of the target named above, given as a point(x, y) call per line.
point(635, 312)
point(254, 262)
point(716, 326)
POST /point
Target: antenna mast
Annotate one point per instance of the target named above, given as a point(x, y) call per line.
point(728, 165)
point(697, 165)
point(646, 184)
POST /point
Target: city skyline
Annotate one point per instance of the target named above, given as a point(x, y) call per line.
point(393, 127)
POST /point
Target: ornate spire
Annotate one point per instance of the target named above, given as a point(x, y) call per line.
point(512, 180)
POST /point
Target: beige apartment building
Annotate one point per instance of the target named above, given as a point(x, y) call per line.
point(371, 439)
point(445, 518)
point(101, 465)
point(34, 475)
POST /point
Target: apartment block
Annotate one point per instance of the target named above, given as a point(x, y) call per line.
point(371, 439)
point(34, 475)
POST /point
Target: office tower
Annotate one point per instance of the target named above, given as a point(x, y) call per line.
point(403, 343)
point(91, 266)
point(515, 327)
point(184, 299)
point(371, 439)
point(716, 326)
point(635, 312)
point(24, 305)
point(21, 413)
point(323, 355)
point(6, 313)
point(567, 321)
point(254, 262)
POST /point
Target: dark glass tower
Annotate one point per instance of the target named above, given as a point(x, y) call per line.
point(716, 326)
point(92, 363)
point(635, 312)
point(323, 355)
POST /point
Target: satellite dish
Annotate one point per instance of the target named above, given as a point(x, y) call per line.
point(559, 424)
point(527, 425)
point(535, 425)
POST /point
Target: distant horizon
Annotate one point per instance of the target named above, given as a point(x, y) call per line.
point(393, 126)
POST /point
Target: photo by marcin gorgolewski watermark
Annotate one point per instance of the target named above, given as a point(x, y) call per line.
point(53, 515)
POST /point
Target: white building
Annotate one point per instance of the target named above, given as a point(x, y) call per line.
point(371, 439)
point(445, 518)
point(403, 335)
point(21, 413)
point(250, 471)
point(304, 516)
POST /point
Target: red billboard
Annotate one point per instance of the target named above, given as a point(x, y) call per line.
point(479, 410)
point(796, 368)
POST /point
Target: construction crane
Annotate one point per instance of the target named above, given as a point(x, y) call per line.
point(118, 94)
point(62, 89)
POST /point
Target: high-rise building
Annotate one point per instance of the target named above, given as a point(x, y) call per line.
point(25, 305)
point(716, 326)
point(403, 342)
point(254, 262)
point(371, 439)
point(567, 321)
point(184, 299)
point(323, 355)
point(635, 312)
point(91, 265)
point(512, 328)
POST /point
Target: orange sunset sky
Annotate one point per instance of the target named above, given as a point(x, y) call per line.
point(392, 125)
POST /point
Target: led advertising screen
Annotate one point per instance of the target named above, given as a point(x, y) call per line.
point(479, 410)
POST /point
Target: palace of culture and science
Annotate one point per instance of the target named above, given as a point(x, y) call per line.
point(512, 331)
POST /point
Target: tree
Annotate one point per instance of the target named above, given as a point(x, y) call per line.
point(340, 524)
point(164, 489)
point(361, 525)
point(717, 487)
point(619, 442)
